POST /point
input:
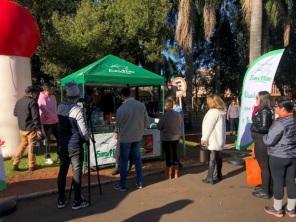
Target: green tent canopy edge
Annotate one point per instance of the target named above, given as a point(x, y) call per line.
point(114, 71)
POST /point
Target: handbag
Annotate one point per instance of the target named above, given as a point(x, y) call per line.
point(253, 172)
point(203, 154)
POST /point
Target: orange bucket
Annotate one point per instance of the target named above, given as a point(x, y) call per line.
point(253, 172)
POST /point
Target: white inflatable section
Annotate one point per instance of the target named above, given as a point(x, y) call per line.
point(15, 77)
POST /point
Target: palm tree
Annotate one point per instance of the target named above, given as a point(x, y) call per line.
point(256, 29)
point(184, 38)
point(277, 12)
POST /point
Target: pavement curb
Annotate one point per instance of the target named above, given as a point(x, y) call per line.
point(54, 191)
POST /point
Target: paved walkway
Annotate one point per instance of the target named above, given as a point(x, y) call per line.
point(180, 200)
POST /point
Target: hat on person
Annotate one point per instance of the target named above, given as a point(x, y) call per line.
point(72, 90)
point(32, 89)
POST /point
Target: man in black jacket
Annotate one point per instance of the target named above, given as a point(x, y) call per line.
point(27, 112)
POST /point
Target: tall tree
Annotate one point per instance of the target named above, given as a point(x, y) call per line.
point(184, 38)
point(256, 29)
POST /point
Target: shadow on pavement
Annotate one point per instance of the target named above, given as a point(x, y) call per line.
point(156, 213)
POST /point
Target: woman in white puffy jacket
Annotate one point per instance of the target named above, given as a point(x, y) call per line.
point(214, 136)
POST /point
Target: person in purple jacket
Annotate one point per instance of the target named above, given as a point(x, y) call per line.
point(233, 116)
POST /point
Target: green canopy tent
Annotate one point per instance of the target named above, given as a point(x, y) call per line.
point(113, 71)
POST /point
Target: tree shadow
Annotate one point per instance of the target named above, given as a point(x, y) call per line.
point(234, 173)
point(156, 213)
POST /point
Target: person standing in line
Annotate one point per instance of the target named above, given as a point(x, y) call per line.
point(281, 148)
point(232, 116)
point(170, 128)
point(27, 113)
point(131, 120)
point(72, 134)
point(214, 136)
point(262, 120)
point(49, 118)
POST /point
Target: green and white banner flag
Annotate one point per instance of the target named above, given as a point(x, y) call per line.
point(259, 77)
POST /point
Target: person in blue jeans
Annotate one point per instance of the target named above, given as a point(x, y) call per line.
point(72, 134)
point(131, 120)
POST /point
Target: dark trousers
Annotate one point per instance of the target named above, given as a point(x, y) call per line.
point(51, 129)
point(262, 158)
point(283, 171)
point(233, 124)
point(74, 157)
point(215, 164)
point(170, 151)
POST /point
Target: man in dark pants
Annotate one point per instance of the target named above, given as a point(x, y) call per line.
point(72, 134)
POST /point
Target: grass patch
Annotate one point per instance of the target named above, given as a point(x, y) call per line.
point(40, 159)
point(40, 162)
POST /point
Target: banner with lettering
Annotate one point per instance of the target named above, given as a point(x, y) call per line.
point(106, 147)
point(259, 77)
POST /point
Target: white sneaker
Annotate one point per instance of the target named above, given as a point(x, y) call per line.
point(48, 161)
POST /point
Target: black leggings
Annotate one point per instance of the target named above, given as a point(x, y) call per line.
point(262, 158)
point(283, 169)
point(170, 150)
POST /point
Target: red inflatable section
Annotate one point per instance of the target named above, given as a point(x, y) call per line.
point(19, 32)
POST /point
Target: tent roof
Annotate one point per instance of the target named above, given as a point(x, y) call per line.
point(112, 70)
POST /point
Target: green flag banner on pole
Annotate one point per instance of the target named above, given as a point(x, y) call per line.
point(259, 77)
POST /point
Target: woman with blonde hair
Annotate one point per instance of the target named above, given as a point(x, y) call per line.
point(214, 136)
point(170, 131)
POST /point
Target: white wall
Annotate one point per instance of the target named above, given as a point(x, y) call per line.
point(15, 76)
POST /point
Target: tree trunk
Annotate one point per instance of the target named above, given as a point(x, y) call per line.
point(256, 29)
point(287, 31)
point(265, 36)
point(188, 72)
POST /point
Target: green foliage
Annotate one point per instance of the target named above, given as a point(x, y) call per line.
point(75, 33)
point(274, 8)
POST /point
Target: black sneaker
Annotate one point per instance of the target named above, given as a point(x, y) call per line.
point(274, 212)
point(291, 213)
point(116, 186)
point(15, 168)
point(261, 194)
point(257, 188)
point(61, 204)
point(80, 204)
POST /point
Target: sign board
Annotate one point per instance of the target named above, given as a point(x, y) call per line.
point(106, 147)
point(180, 86)
point(259, 77)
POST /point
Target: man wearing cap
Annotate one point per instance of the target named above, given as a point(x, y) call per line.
point(27, 113)
point(72, 134)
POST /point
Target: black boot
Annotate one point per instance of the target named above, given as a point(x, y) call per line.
point(218, 170)
point(211, 169)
